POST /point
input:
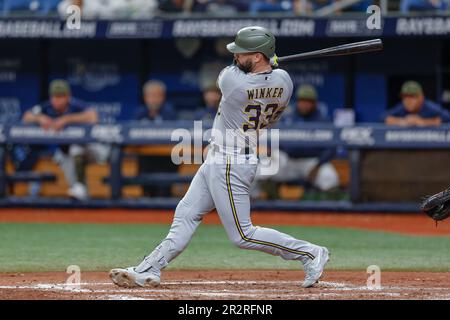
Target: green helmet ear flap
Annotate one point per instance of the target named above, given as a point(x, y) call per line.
point(253, 39)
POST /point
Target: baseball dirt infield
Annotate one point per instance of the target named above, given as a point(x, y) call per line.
point(222, 284)
point(396, 237)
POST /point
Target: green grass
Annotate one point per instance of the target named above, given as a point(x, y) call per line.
point(53, 247)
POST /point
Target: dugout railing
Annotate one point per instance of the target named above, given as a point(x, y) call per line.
point(356, 140)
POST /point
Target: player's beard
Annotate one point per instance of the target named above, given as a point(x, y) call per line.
point(247, 66)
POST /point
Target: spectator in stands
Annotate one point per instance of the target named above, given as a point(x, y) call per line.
point(415, 109)
point(57, 113)
point(309, 164)
point(257, 6)
point(309, 6)
point(307, 107)
point(155, 107)
point(424, 5)
point(302, 6)
point(220, 7)
point(174, 6)
point(110, 9)
point(211, 98)
point(360, 6)
point(27, 6)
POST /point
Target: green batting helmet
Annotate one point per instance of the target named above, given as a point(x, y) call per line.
point(253, 39)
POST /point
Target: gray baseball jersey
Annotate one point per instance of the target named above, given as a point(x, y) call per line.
point(249, 102)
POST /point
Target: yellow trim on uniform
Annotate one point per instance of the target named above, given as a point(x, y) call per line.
point(238, 226)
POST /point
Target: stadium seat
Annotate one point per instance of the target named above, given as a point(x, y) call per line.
point(50, 6)
point(265, 6)
point(361, 6)
point(18, 5)
point(53, 182)
point(33, 6)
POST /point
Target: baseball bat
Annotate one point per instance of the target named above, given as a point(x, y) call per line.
point(342, 50)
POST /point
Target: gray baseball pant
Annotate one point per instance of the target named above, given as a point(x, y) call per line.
point(223, 182)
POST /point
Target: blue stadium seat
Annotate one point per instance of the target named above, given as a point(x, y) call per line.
point(361, 6)
point(35, 6)
point(16, 5)
point(50, 5)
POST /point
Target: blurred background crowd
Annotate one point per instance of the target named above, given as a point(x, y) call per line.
point(54, 83)
point(111, 9)
point(310, 165)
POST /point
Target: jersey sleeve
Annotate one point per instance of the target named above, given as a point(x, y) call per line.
point(79, 106)
point(396, 111)
point(289, 86)
point(435, 110)
point(168, 112)
point(140, 114)
point(227, 79)
point(445, 116)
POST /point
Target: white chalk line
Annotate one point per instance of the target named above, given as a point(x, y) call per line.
point(123, 297)
point(268, 293)
point(322, 285)
point(200, 282)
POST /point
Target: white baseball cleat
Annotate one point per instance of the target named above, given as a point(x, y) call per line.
point(128, 278)
point(314, 268)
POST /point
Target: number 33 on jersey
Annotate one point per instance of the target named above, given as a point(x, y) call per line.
point(251, 101)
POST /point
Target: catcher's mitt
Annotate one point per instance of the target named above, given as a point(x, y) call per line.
point(437, 206)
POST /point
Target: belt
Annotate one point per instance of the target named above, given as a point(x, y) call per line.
point(244, 151)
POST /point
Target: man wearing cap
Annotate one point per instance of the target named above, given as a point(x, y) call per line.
point(415, 109)
point(57, 113)
point(307, 107)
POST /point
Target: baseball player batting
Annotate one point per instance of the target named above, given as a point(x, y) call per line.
point(254, 95)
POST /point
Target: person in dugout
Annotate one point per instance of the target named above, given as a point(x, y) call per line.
point(155, 109)
point(62, 110)
point(414, 109)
